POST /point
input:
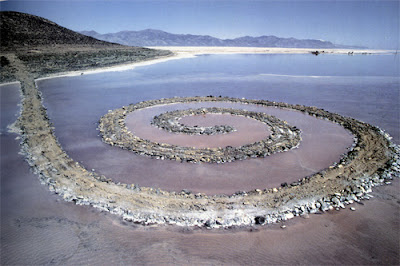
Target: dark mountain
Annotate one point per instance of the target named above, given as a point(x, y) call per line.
point(20, 29)
point(151, 37)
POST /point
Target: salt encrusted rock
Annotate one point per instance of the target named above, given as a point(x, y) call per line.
point(169, 121)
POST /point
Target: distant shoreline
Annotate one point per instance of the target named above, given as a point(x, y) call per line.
point(196, 50)
point(117, 67)
point(9, 83)
point(180, 52)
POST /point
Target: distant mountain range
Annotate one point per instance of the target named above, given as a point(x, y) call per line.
point(151, 37)
point(19, 29)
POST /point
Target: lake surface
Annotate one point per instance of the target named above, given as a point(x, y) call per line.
point(38, 227)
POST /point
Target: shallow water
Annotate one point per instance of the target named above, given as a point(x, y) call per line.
point(38, 227)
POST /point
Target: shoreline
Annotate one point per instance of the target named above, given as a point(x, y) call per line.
point(181, 52)
point(9, 83)
point(198, 50)
point(115, 68)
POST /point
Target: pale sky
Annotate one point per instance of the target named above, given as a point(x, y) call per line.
point(374, 24)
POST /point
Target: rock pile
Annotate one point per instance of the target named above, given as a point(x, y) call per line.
point(169, 121)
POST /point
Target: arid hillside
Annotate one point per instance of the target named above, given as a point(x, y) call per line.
point(20, 29)
point(47, 48)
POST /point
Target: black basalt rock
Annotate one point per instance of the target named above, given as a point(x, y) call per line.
point(259, 219)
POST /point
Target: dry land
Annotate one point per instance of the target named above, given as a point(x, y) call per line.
point(43, 61)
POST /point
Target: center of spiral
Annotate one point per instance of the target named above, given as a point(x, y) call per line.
point(170, 121)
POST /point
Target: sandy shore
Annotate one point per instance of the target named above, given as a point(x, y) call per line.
point(9, 83)
point(119, 67)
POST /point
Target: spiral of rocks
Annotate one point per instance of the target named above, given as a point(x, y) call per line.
point(114, 132)
point(372, 160)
